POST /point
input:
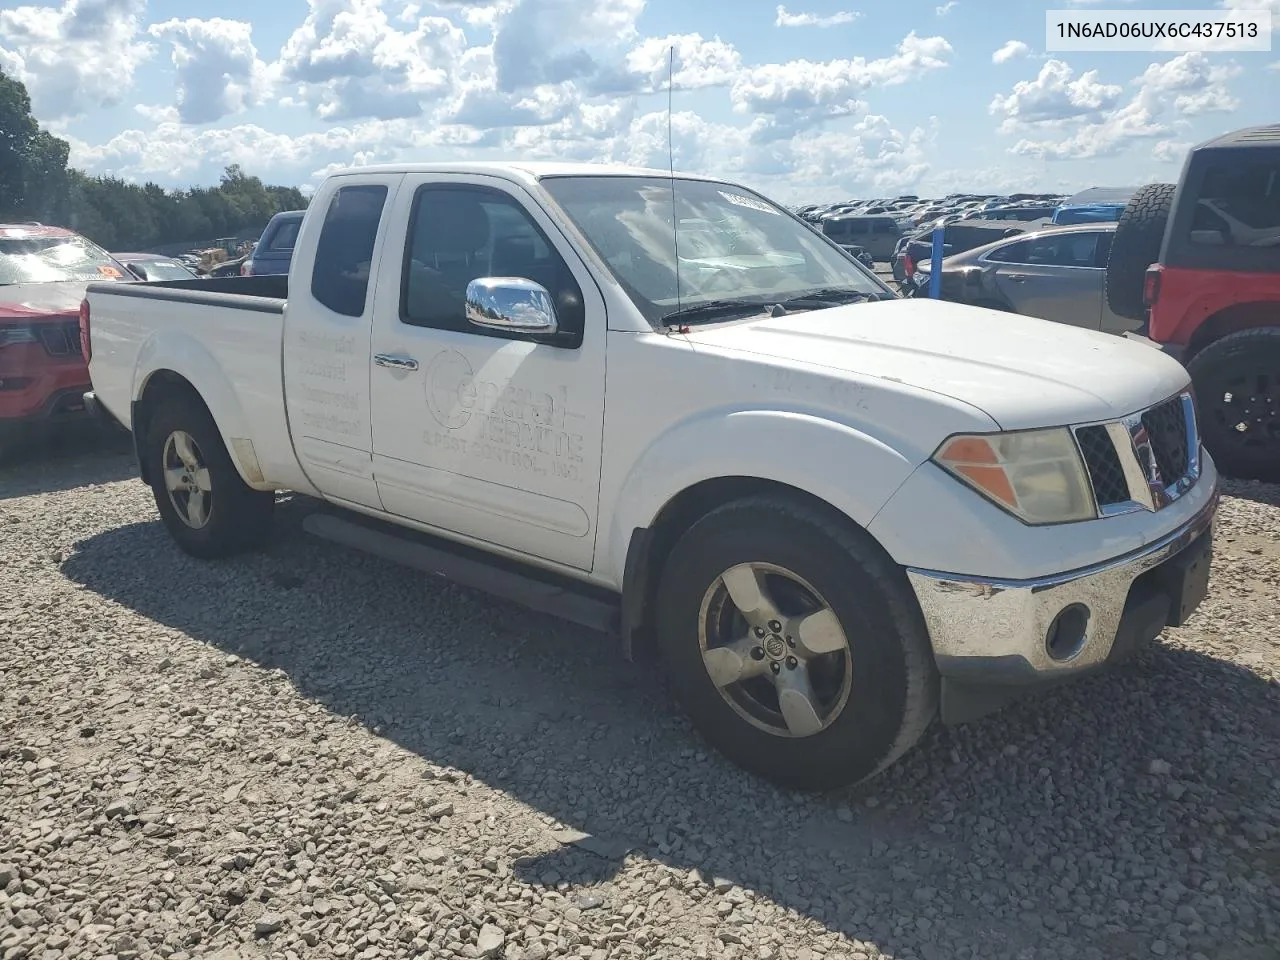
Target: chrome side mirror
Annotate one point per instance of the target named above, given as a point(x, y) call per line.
point(511, 303)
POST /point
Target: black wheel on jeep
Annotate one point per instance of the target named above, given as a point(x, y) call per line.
point(794, 643)
point(208, 509)
point(1237, 382)
point(1136, 246)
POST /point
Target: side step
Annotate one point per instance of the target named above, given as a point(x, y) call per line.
point(545, 593)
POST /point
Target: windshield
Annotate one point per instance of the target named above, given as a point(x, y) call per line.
point(52, 259)
point(733, 244)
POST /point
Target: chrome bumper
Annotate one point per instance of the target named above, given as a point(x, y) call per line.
point(996, 631)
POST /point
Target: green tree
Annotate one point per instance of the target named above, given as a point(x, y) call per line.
point(36, 184)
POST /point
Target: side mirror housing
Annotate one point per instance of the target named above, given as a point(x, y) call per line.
point(512, 304)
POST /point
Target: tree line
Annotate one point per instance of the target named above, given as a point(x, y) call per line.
point(36, 184)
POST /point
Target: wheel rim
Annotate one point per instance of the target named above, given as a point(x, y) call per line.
point(1246, 410)
point(775, 650)
point(186, 478)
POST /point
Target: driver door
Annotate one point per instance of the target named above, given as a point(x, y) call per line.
point(487, 434)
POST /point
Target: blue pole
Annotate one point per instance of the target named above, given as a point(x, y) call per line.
point(935, 265)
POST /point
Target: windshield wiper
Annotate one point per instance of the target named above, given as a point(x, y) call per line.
point(830, 296)
point(711, 310)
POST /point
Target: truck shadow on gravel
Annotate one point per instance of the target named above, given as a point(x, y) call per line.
point(1126, 813)
point(72, 456)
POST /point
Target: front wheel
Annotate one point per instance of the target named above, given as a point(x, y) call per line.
point(208, 509)
point(1237, 382)
point(794, 644)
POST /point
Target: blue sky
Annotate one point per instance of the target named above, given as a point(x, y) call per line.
point(815, 99)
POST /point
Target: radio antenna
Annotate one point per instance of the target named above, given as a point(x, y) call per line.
point(671, 171)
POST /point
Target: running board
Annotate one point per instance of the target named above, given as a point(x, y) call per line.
point(559, 599)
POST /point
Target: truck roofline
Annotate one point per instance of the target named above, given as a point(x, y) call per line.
point(521, 171)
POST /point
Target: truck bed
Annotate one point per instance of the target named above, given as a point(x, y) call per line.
point(270, 291)
point(222, 335)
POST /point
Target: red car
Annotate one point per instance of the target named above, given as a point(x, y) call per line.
point(43, 274)
point(1199, 261)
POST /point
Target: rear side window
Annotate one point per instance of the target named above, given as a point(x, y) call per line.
point(344, 255)
point(884, 226)
point(1239, 206)
point(283, 236)
point(1011, 253)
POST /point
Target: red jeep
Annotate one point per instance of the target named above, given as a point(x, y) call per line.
point(1200, 262)
point(43, 375)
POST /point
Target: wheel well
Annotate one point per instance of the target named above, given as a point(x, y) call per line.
point(651, 546)
point(161, 386)
point(1232, 319)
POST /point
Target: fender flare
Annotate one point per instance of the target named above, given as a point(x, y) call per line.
point(184, 355)
point(857, 476)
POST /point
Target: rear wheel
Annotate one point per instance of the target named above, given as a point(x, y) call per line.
point(1237, 382)
point(1136, 246)
point(208, 509)
point(794, 643)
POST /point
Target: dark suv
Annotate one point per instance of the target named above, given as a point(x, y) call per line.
point(1199, 262)
point(275, 248)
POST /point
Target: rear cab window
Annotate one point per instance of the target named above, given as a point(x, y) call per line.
point(281, 237)
point(344, 253)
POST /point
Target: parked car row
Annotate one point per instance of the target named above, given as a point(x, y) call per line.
point(43, 274)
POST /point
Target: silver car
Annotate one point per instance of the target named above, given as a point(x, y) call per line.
point(1056, 274)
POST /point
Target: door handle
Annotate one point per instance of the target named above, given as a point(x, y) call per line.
point(394, 362)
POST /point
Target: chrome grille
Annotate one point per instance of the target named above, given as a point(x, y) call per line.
point(1144, 461)
point(1103, 464)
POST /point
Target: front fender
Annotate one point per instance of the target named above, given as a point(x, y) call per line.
point(854, 472)
point(184, 355)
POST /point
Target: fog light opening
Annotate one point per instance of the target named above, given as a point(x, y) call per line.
point(1066, 635)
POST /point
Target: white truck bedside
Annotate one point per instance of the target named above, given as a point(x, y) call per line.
point(667, 408)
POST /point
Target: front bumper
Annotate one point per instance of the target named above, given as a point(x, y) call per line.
point(992, 639)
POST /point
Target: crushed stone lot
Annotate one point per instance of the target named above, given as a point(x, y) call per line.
point(312, 753)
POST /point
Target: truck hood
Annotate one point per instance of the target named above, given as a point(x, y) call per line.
point(1020, 371)
point(35, 301)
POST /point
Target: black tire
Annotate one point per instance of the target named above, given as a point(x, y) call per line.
point(893, 684)
point(1136, 246)
point(238, 517)
point(1247, 359)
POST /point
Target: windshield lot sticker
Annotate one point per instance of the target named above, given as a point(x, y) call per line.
point(105, 271)
point(738, 200)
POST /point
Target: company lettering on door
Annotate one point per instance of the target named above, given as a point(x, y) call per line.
point(328, 404)
point(528, 430)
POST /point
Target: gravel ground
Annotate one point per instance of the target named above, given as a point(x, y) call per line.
point(311, 753)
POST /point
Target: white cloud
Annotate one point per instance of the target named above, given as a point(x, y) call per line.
point(788, 97)
point(1055, 96)
point(698, 62)
point(218, 69)
point(787, 19)
point(1184, 86)
point(943, 9)
point(1171, 151)
point(348, 62)
point(1272, 5)
point(1010, 50)
point(75, 58)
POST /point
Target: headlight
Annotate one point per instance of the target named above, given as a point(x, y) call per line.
point(1037, 475)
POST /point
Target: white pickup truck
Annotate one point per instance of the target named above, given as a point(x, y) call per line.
point(835, 513)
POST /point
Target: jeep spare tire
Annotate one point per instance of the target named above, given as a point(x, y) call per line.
point(1136, 246)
